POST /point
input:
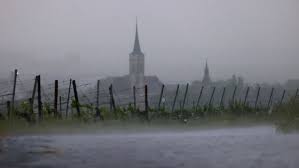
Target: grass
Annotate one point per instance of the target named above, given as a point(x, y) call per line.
point(285, 117)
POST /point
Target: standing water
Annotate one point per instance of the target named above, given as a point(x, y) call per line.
point(218, 148)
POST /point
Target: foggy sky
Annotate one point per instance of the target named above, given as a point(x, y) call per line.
point(257, 39)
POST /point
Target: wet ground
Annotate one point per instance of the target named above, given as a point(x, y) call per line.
point(252, 147)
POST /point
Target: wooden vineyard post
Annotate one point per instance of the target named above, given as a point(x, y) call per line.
point(14, 91)
point(76, 98)
point(33, 94)
point(55, 98)
point(270, 98)
point(175, 97)
point(8, 108)
point(98, 100)
point(282, 97)
point(222, 96)
point(68, 99)
point(134, 97)
point(211, 98)
point(60, 105)
point(146, 102)
point(161, 95)
point(112, 102)
point(246, 96)
point(185, 96)
point(199, 97)
point(39, 98)
point(296, 95)
point(234, 94)
point(257, 98)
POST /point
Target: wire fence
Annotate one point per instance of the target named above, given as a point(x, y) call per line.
point(188, 96)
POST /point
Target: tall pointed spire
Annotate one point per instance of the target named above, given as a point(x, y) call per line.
point(136, 43)
point(206, 77)
point(206, 68)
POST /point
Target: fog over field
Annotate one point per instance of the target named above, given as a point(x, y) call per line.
point(257, 39)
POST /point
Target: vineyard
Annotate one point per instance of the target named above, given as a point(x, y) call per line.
point(69, 99)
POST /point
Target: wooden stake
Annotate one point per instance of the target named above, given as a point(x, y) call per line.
point(98, 100)
point(55, 98)
point(112, 102)
point(270, 98)
point(257, 97)
point(246, 96)
point(14, 91)
point(185, 96)
point(134, 97)
point(234, 94)
point(199, 97)
point(161, 95)
point(8, 108)
point(33, 95)
point(282, 97)
point(39, 98)
point(68, 99)
point(175, 97)
point(296, 95)
point(221, 101)
point(146, 102)
point(60, 106)
point(76, 98)
point(211, 99)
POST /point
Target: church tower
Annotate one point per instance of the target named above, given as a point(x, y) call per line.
point(206, 78)
point(136, 62)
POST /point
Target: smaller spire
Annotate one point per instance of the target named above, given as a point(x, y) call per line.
point(207, 68)
point(206, 78)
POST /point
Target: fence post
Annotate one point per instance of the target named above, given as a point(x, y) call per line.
point(282, 97)
point(98, 100)
point(222, 96)
point(234, 94)
point(211, 99)
point(270, 98)
point(296, 95)
point(68, 98)
point(199, 97)
point(76, 98)
point(55, 97)
point(39, 98)
point(246, 96)
point(146, 102)
point(257, 97)
point(60, 105)
point(8, 108)
point(33, 93)
point(134, 97)
point(185, 96)
point(14, 91)
point(161, 95)
point(112, 102)
point(175, 97)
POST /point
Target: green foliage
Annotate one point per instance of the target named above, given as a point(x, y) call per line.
point(286, 115)
point(24, 111)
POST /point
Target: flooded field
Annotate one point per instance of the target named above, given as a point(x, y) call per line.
point(230, 147)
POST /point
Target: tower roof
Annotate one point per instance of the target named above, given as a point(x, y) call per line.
point(206, 78)
point(137, 48)
point(207, 67)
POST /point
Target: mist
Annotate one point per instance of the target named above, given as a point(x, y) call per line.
point(256, 39)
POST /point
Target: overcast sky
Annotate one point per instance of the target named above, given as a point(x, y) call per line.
point(258, 39)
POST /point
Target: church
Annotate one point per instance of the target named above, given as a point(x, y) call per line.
point(123, 85)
